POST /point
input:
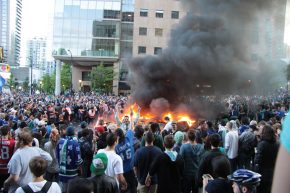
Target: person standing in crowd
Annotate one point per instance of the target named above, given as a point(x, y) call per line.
point(102, 183)
point(244, 126)
point(22, 125)
point(169, 167)
point(18, 166)
point(178, 138)
point(87, 152)
point(115, 163)
point(201, 132)
point(205, 166)
point(142, 160)
point(191, 153)
point(84, 126)
point(247, 144)
point(50, 147)
point(245, 181)
point(265, 158)
point(138, 134)
point(38, 166)
point(222, 131)
point(82, 185)
point(218, 182)
point(210, 129)
point(168, 125)
point(158, 142)
point(69, 158)
point(232, 144)
point(7, 146)
point(281, 176)
point(126, 122)
point(125, 149)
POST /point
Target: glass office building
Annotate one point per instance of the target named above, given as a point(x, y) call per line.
point(93, 28)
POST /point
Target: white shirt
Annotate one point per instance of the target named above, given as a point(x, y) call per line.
point(232, 144)
point(37, 186)
point(115, 164)
point(168, 126)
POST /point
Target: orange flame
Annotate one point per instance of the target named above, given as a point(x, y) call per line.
point(147, 116)
point(186, 119)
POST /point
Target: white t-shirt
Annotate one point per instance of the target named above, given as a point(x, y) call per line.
point(37, 186)
point(115, 164)
point(168, 126)
point(232, 144)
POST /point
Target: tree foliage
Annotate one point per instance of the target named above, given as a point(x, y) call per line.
point(25, 85)
point(48, 83)
point(65, 74)
point(102, 78)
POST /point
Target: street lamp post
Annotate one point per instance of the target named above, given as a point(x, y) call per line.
point(30, 59)
point(70, 71)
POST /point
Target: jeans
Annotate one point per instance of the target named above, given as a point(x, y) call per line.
point(131, 182)
point(188, 184)
point(234, 164)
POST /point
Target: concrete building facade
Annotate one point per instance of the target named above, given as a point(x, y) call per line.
point(153, 23)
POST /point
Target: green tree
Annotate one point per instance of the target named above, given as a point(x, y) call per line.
point(48, 83)
point(11, 81)
point(25, 85)
point(102, 78)
point(65, 74)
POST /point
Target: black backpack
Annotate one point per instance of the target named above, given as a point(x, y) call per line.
point(44, 189)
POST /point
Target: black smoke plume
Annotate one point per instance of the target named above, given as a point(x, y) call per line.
point(208, 53)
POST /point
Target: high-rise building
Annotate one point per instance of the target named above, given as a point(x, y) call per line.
point(36, 52)
point(88, 32)
point(10, 30)
point(267, 34)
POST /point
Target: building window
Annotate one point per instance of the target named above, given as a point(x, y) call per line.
point(86, 76)
point(143, 12)
point(142, 31)
point(157, 50)
point(159, 14)
point(175, 14)
point(141, 50)
point(158, 32)
point(111, 14)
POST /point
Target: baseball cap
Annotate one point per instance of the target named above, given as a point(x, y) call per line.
point(83, 124)
point(99, 164)
point(100, 129)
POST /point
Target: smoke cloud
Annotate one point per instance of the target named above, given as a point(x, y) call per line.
point(209, 52)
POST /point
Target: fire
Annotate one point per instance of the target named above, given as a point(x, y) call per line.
point(186, 119)
point(147, 116)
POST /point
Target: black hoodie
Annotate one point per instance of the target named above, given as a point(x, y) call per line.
point(169, 173)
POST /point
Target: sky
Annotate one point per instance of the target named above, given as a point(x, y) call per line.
point(37, 21)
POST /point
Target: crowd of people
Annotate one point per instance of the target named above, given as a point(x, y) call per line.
point(78, 143)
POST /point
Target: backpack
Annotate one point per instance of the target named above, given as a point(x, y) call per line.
point(44, 189)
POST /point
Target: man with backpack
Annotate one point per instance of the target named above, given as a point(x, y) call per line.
point(38, 167)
